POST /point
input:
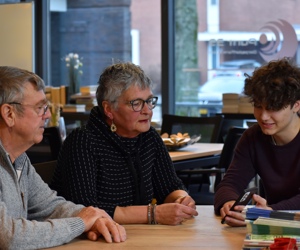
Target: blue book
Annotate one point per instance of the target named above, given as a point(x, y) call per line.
point(253, 213)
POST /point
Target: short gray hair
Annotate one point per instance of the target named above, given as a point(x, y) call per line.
point(116, 79)
point(12, 81)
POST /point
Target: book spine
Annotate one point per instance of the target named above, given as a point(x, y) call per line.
point(285, 215)
point(63, 95)
point(275, 230)
point(254, 213)
point(55, 95)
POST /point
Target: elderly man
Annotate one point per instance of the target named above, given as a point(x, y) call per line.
point(32, 215)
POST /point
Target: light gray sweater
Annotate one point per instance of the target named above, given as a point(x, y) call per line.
point(32, 216)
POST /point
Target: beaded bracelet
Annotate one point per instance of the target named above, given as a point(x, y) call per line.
point(149, 213)
point(153, 215)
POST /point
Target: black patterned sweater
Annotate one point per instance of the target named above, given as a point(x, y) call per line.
point(99, 168)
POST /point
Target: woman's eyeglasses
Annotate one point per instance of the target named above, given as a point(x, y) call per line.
point(138, 104)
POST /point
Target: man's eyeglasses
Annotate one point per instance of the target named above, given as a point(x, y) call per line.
point(40, 110)
point(138, 104)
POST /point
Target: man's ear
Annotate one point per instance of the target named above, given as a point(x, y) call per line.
point(296, 107)
point(8, 114)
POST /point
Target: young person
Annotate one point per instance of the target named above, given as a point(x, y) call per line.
point(269, 149)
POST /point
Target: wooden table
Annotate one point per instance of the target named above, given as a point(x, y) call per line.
point(196, 150)
point(198, 155)
point(203, 232)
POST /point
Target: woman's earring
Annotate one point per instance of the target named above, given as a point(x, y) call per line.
point(113, 127)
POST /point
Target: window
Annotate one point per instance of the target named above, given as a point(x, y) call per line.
point(232, 39)
point(103, 32)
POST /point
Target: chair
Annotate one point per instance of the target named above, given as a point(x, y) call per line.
point(48, 149)
point(232, 138)
point(46, 170)
point(208, 127)
point(235, 120)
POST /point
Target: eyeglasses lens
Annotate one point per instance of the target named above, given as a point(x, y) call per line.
point(138, 105)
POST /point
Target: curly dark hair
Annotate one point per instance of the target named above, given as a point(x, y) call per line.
point(275, 85)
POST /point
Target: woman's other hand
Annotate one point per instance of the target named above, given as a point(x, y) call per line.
point(186, 200)
point(174, 213)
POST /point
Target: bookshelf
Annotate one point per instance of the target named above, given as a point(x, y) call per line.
point(81, 117)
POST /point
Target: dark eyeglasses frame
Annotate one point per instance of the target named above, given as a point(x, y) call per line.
point(45, 107)
point(151, 101)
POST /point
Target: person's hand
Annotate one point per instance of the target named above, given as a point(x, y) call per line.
point(233, 218)
point(97, 222)
point(261, 202)
point(90, 214)
point(186, 200)
point(109, 229)
point(174, 213)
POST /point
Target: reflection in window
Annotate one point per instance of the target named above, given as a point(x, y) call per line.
point(230, 42)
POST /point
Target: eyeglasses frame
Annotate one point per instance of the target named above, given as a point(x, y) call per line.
point(143, 104)
point(45, 107)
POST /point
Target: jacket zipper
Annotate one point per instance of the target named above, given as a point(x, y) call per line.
point(22, 196)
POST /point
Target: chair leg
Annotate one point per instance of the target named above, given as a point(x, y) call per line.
point(212, 180)
point(200, 187)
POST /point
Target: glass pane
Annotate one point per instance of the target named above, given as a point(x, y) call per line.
point(233, 38)
point(103, 32)
point(146, 44)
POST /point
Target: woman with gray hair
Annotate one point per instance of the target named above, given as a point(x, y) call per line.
point(118, 161)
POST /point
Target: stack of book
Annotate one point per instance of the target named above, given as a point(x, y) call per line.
point(87, 97)
point(245, 106)
point(87, 90)
point(88, 101)
point(230, 103)
point(264, 226)
point(57, 95)
point(74, 108)
point(236, 103)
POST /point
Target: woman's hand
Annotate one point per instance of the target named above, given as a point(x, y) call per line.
point(174, 213)
point(186, 200)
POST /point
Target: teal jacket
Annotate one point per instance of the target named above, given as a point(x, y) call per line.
point(32, 216)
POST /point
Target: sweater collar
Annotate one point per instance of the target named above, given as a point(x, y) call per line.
point(98, 126)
